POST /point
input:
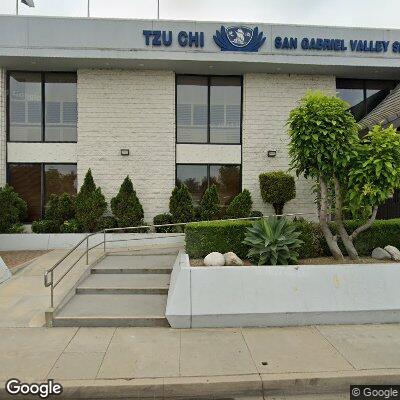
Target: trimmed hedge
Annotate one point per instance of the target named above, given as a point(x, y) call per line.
point(223, 236)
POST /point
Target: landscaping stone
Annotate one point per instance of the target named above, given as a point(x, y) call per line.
point(5, 273)
point(232, 259)
point(214, 259)
point(394, 252)
point(380, 254)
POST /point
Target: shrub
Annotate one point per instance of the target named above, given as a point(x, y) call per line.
point(203, 238)
point(210, 208)
point(240, 206)
point(90, 204)
point(161, 219)
point(107, 222)
point(181, 205)
point(256, 214)
point(13, 209)
point(277, 188)
point(273, 241)
point(70, 226)
point(126, 206)
point(60, 208)
point(45, 226)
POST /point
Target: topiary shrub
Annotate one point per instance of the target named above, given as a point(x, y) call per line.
point(126, 206)
point(60, 208)
point(181, 205)
point(107, 222)
point(161, 219)
point(90, 204)
point(277, 188)
point(70, 226)
point(256, 214)
point(273, 241)
point(45, 226)
point(240, 206)
point(13, 210)
point(210, 208)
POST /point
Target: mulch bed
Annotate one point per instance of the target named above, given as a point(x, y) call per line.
point(198, 262)
point(15, 258)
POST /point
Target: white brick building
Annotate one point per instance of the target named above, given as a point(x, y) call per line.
point(199, 103)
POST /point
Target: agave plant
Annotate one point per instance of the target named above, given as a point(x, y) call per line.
point(273, 242)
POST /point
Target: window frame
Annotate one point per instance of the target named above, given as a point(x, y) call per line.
point(43, 103)
point(42, 179)
point(208, 110)
point(208, 171)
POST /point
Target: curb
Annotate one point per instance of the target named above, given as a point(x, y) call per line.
point(231, 385)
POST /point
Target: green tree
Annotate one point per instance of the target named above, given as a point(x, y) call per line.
point(181, 204)
point(90, 204)
point(277, 188)
point(210, 208)
point(240, 206)
point(364, 172)
point(126, 206)
point(13, 210)
point(60, 208)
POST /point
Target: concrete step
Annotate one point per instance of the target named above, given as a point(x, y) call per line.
point(113, 310)
point(124, 284)
point(135, 264)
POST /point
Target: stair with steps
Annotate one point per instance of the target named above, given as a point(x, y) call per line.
point(123, 289)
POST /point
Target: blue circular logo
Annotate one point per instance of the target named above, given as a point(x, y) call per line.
point(239, 36)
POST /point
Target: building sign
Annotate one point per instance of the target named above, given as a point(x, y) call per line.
point(245, 39)
point(239, 38)
point(354, 45)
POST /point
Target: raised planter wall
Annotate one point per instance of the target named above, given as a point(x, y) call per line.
point(282, 296)
point(49, 241)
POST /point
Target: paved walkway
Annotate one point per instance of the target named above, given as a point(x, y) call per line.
point(107, 362)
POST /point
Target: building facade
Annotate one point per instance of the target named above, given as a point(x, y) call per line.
point(167, 102)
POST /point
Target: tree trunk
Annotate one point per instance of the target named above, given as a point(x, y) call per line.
point(278, 207)
point(330, 239)
point(347, 242)
point(364, 227)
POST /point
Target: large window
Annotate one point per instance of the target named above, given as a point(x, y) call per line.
point(208, 109)
point(198, 177)
point(363, 95)
point(36, 182)
point(42, 107)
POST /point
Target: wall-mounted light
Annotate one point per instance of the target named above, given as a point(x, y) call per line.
point(271, 153)
point(124, 152)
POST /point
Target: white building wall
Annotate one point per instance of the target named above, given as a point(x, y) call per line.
point(3, 140)
point(267, 101)
point(135, 110)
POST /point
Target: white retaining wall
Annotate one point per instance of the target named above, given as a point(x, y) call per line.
point(282, 296)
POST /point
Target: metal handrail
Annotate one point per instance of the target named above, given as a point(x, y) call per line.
point(50, 272)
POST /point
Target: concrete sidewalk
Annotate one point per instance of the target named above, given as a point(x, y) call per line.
point(112, 363)
point(163, 362)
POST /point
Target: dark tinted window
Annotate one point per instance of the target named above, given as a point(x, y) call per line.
point(61, 107)
point(194, 177)
point(225, 109)
point(198, 178)
point(227, 179)
point(26, 181)
point(363, 95)
point(25, 107)
point(208, 109)
point(191, 109)
point(32, 181)
point(60, 179)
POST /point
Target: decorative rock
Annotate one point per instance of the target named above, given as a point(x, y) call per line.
point(214, 259)
point(380, 254)
point(5, 273)
point(394, 252)
point(232, 259)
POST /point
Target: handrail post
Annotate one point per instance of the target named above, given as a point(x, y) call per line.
point(87, 250)
point(52, 291)
point(104, 240)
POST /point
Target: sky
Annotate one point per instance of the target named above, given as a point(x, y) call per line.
point(359, 13)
